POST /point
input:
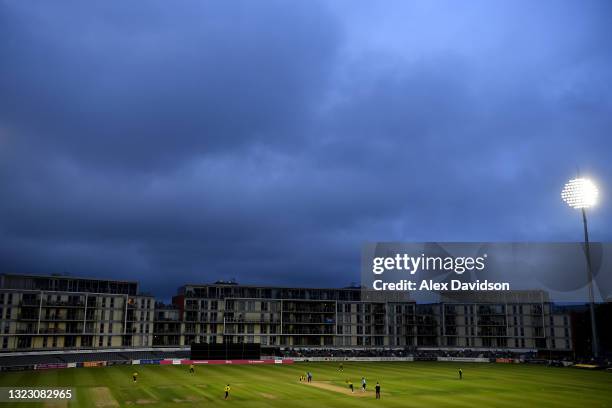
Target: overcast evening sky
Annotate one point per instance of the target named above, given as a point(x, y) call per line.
point(189, 141)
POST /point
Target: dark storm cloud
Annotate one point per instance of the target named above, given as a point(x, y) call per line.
point(183, 81)
point(193, 141)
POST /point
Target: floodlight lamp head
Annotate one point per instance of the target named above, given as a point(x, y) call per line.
point(580, 193)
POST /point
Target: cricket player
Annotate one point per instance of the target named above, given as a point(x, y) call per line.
point(350, 384)
point(135, 376)
point(460, 374)
point(377, 390)
point(363, 384)
point(191, 368)
point(227, 391)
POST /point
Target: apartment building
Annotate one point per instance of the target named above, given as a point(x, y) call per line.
point(349, 317)
point(61, 312)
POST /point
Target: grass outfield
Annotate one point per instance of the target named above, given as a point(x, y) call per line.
point(403, 384)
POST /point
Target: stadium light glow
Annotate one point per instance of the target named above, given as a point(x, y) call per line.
point(580, 193)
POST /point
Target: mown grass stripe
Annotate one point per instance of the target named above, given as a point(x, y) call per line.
point(404, 385)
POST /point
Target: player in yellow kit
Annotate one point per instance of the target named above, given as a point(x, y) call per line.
point(227, 391)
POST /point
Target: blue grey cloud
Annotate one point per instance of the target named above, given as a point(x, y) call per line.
point(194, 141)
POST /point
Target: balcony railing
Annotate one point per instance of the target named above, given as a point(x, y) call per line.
point(30, 303)
point(62, 304)
point(27, 317)
point(247, 321)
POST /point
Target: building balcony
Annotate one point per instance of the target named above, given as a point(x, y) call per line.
point(25, 331)
point(62, 304)
point(27, 317)
point(29, 303)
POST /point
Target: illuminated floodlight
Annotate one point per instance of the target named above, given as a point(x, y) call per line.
point(580, 193)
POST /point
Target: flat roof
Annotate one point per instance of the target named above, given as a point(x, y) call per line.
point(66, 277)
point(267, 286)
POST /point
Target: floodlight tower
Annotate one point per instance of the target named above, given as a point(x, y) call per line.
point(582, 193)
